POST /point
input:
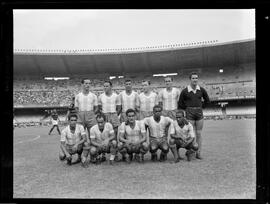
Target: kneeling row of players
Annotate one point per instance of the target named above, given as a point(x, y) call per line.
point(132, 139)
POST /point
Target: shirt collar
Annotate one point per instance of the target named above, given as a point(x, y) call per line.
point(190, 89)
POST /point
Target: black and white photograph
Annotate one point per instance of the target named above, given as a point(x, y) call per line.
point(134, 104)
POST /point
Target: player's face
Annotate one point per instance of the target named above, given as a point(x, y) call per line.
point(73, 121)
point(179, 118)
point(101, 123)
point(168, 82)
point(146, 86)
point(157, 112)
point(86, 84)
point(107, 87)
point(194, 79)
point(128, 85)
point(131, 117)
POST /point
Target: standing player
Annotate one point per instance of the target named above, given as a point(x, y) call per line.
point(102, 138)
point(129, 100)
point(86, 105)
point(54, 120)
point(132, 136)
point(147, 100)
point(182, 136)
point(191, 101)
point(158, 139)
point(110, 104)
point(168, 98)
point(72, 139)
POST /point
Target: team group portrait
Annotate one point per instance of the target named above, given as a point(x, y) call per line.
point(134, 104)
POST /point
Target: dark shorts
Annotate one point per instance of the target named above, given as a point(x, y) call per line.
point(130, 148)
point(71, 151)
point(194, 113)
point(180, 144)
point(113, 119)
point(87, 118)
point(159, 142)
point(107, 149)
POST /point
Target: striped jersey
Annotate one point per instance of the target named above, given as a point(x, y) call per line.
point(86, 102)
point(169, 99)
point(185, 132)
point(95, 132)
point(157, 129)
point(133, 134)
point(147, 103)
point(71, 138)
point(109, 103)
point(128, 101)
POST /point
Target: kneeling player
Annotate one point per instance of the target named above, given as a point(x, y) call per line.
point(102, 138)
point(158, 139)
point(132, 137)
point(182, 136)
point(72, 140)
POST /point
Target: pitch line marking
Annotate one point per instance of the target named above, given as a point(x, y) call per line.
point(28, 140)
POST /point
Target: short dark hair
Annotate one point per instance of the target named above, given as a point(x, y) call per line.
point(130, 111)
point(108, 81)
point(168, 77)
point(193, 73)
point(157, 106)
point(82, 81)
point(148, 81)
point(72, 116)
point(101, 115)
point(127, 80)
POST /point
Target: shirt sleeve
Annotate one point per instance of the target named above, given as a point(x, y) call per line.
point(178, 93)
point(205, 97)
point(110, 128)
point(137, 101)
point(76, 101)
point(191, 131)
point(118, 100)
point(82, 130)
point(95, 100)
point(159, 96)
point(63, 135)
point(122, 128)
point(145, 121)
point(92, 133)
point(142, 127)
point(181, 101)
point(99, 100)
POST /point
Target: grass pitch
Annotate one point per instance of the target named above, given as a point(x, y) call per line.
point(227, 171)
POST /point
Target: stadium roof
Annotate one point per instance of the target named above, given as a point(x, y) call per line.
point(169, 58)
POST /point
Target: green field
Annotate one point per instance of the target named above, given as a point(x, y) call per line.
point(227, 171)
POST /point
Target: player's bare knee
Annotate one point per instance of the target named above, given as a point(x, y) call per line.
point(171, 141)
point(114, 143)
point(93, 150)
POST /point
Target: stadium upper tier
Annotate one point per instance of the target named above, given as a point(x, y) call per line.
point(169, 59)
point(234, 82)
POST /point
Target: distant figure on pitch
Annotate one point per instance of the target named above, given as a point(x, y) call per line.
point(182, 136)
point(54, 120)
point(73, 138)
point(191, 101)
point(132, 138)
point(157, 137)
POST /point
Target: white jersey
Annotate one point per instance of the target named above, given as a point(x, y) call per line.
point(100, 136)
point(128, 101)
point(185, 132)
point(109, 103)
point(71, 138)
point(169, 99)
point(86, 102)
point(55, 122)
point(157, 129)
point(135, 133)
point(147, 103)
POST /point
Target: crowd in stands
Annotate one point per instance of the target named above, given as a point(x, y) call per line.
point(233, 82)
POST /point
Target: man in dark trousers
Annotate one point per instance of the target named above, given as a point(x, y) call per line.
point(193, 99)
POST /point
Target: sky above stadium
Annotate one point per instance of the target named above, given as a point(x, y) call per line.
point(114, 29)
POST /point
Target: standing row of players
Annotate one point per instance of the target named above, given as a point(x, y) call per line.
point(135, 123)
